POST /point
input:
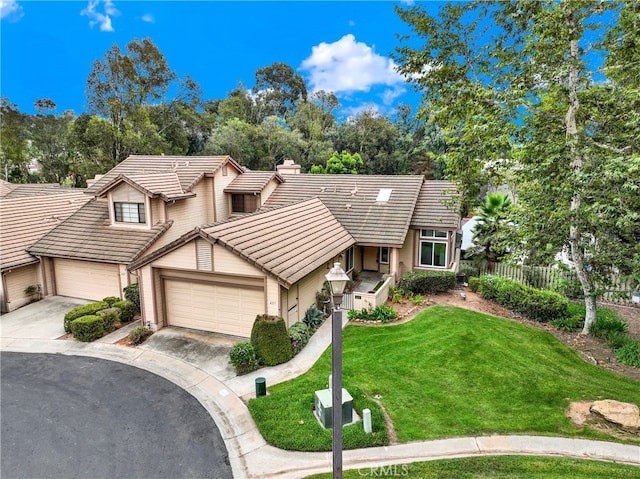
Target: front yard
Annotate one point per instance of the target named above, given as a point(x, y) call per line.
point(448, 372)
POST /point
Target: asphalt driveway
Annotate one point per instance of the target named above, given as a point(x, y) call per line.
point(75, 417)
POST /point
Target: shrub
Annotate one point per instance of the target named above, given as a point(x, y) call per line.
point(270, 340)
point(313, 318)
point(537, 304)
point(84, 310)
point(132, 293)
point(629, 352)
point(607, 323)
point(138, 335)
point(474, 283)
point(417, 299)
point(110, 317)
point(299, 336)
point(382, 313)
point(396, 294)
point(87, 328)
point(468, 271)
point(243, 358)
point(127, 310)
point(110, 300)
point(427, 282)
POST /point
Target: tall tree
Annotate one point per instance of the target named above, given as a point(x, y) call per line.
point(517, 85)
point(491, 235)
point(14, 147)
point(278, 90)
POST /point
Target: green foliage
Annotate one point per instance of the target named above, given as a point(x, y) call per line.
point(110, 300)
point(427, 282)
point(110, 317)
point(84, 310)
point(340, 164)
point(127, 310)
point(417, 299)
point(87, 328)
point(382, 313)
point(132, 293)
point(270, 340)
point(313, 318)
point(138, 335)
point(491, 233)
point(468, 271)
point(396, 294)
point(629, 351)
point(299, 336)
point(607, 324)
point(474, 283)
point(243, 358)
point(537, 304)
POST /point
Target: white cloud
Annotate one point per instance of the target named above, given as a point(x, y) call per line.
point(354, 111)
point(103, 20)
point(352, 23)
point(348, 66)
point(389, 95)
point(147, 17)
point(11, 10)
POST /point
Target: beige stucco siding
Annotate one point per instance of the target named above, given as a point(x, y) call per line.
point(225, 261)
point(302, 295)
point(16, 281)
point(406, 254)
point(222, 199)
point(181, 258)
point(269, 188)
point(272, 290)
point(158, 211)
point(147, 296)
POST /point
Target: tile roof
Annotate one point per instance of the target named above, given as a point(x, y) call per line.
point(25, 219)
point(289, 242)
point(434, 206)
point(165, 185)
point(252, 182)
point(352, 200)
point(87, 235)
point(18, 190)
point(189, 169)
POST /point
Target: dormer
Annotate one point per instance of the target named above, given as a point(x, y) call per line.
point(249, 191)
point(138, 201)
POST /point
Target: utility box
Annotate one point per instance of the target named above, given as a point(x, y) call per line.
point(324, 409)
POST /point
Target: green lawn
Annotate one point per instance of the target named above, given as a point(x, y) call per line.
point(449, 372)
point(499, 467)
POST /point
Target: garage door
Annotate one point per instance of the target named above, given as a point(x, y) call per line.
point(214, 307)
point(86, 280)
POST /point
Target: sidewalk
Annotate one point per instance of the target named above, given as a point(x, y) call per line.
point(251, 457)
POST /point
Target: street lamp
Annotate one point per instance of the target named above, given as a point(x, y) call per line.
point(337, 279)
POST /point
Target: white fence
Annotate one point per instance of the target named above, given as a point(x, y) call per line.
point(550, 277)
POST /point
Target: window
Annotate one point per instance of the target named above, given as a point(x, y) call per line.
point(433, 234)
point(243, 203)
point(384, 255)
point(349, 259)
point(433, 253)
point(129, 212)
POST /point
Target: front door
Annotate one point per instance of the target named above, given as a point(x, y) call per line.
point(370, 259)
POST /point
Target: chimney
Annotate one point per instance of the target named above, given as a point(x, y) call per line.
point(92, 181)
point(288, 167)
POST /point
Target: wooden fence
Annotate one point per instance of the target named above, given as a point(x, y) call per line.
point(554, 278)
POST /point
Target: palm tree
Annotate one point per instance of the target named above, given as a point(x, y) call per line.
point(490, 232)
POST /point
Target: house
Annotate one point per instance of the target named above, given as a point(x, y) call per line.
point(28, 212)
point(212, 245)
point(143, 203)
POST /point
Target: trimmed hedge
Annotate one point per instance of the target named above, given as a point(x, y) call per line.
point(84, 310)
point(110, 317)
point(110, 300)
point(127, 310)
point(537, 304)
point(132, 293)
point(270, 340)
point(88, 328)
point(427, 282)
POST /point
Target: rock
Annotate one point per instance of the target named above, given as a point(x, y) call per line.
point(625, 415)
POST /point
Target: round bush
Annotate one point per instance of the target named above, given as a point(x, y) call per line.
point(127, 310)
point(110, 300)
point(110, 317)
point(139, 334)
point(243, 358)
point(87, 328)
point(299, 335)
point(84, 310)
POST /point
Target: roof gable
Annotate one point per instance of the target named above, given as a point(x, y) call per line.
point(163, 185)
point(436, 205)
point(252, 181)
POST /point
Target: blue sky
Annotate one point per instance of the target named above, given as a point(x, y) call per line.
point(47, 47)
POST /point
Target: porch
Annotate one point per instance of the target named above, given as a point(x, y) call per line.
point(370, 290)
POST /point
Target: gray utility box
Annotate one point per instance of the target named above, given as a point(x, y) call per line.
point(324, 409)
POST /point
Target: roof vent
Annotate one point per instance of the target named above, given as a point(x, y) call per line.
point(354, 191)
point(347, 206)
point(384, 194)
point(323, 188)
point(186, 163)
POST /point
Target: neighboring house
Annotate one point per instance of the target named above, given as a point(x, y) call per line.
point(212, 245)
point(28, 212)
point(143, 203)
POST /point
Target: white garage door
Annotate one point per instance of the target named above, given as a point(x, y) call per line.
point(86, 280)
point(212, 307)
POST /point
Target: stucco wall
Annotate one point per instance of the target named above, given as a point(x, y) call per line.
point(16, 281)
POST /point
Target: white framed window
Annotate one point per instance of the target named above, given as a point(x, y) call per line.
point(433, 254)
point(383, 255)
point(434, 234)
point(129, 212)
point(349, 259)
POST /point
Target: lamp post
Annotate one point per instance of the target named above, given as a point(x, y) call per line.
point(337, 278)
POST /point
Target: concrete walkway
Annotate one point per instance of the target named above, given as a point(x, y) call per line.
point(251, 457)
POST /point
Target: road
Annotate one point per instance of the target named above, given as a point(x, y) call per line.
point(80, 417)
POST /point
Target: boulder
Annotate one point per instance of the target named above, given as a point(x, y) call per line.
point(623, 414)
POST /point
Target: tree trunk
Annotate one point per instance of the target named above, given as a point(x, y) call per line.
point(575, 233)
